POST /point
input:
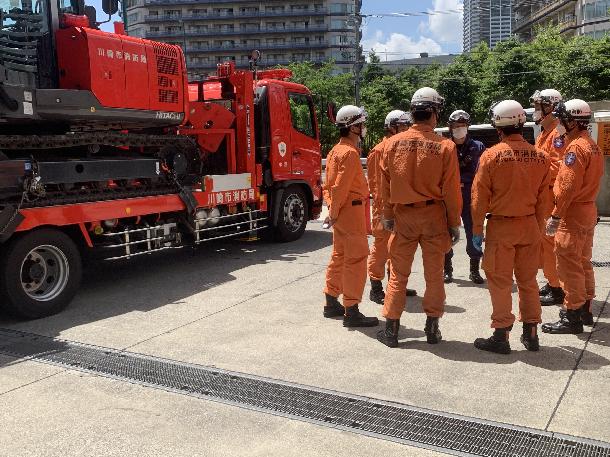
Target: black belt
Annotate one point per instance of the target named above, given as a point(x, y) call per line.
point(421, 204)
point(356, 202)
point(497, 216)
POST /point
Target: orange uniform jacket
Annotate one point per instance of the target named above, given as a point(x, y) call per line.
point(555, 146)
point(512, 180)
point(419, 165)
point(345, 181)
point(373, 172)
point(579, 175)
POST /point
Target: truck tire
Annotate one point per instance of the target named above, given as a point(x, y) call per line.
point(293, 215)
point(40, 273)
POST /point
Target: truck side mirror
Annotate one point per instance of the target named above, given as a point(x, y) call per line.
point(110, 7)
point(91, 14)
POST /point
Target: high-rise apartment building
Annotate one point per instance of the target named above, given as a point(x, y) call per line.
point(573, 17)
point(213, 31)
point(488, 21)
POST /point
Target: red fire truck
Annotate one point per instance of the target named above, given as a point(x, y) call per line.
point(106, 147)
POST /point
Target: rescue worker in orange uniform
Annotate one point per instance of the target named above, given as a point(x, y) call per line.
point(510, 189)
point(574, 217)
point(395, 122)
point(345, 192)
point(422, 205)
point(554, 144)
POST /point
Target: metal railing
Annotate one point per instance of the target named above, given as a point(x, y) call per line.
point(261, 47)
point(263, 63)
point(238, 15)
point(199, 2)
point(540, 13)
point(217, 32)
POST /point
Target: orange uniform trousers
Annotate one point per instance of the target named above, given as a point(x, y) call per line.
point(512, 245)
point(549, 259)
point(424, 226)
point(379, 251)
point(574, 247)
point(346, 272)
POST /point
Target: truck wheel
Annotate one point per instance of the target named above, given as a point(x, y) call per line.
point(293, 215)
point(40, 274)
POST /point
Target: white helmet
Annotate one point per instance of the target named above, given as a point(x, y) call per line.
point(508, 113)
point(427, 99)
point(350, 115)
point(546, 97)
point(574, 110)
point(392, 118)
point(405, 119)
point(459, 116)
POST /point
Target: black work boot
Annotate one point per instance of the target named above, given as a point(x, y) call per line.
point(475, 276)
point(377, 294)
point(570, 323)
point(433, 333)
point(545, 290)
point(586, 315)
point(333, 308)
point(498, 342)
point(448, 271)
point(554, 297)
point(530, 337)
point(389, 336)
point(354, 318)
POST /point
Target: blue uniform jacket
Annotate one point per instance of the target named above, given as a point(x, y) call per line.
point(469, 154)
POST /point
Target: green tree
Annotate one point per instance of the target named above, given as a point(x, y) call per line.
point(577, 67)
point(373, 70)
point(327, 86)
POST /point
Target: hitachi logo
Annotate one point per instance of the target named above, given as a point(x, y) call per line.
point(169, 116)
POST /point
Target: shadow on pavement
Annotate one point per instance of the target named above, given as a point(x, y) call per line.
point(404, 332)
point(562, 358)
point(414, 306)
point(467, 283)
point(144, 284)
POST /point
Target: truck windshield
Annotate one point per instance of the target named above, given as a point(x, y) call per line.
point(21, 15)
point(68, 6)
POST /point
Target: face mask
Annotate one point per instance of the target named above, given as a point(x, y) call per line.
point(537, 116)
point(561, 130)
point(363, 132)
point(460, 133)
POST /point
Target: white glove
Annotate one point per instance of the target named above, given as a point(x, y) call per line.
point(328, 223)
point(552, 225)
point(455, 235)
point(388, 224)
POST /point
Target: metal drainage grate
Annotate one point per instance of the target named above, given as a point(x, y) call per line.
point(391, 421)
point(600, 264)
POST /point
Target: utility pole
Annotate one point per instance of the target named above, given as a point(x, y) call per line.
point(358, 63)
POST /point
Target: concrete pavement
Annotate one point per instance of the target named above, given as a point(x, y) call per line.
point(256, 308)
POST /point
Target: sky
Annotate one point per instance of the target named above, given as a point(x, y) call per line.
point(395, 38)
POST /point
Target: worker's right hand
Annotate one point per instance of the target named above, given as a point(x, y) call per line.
point(552, 225)
point(328, 223)
point(388, 224)
point(477, 242)
point(455, 235)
